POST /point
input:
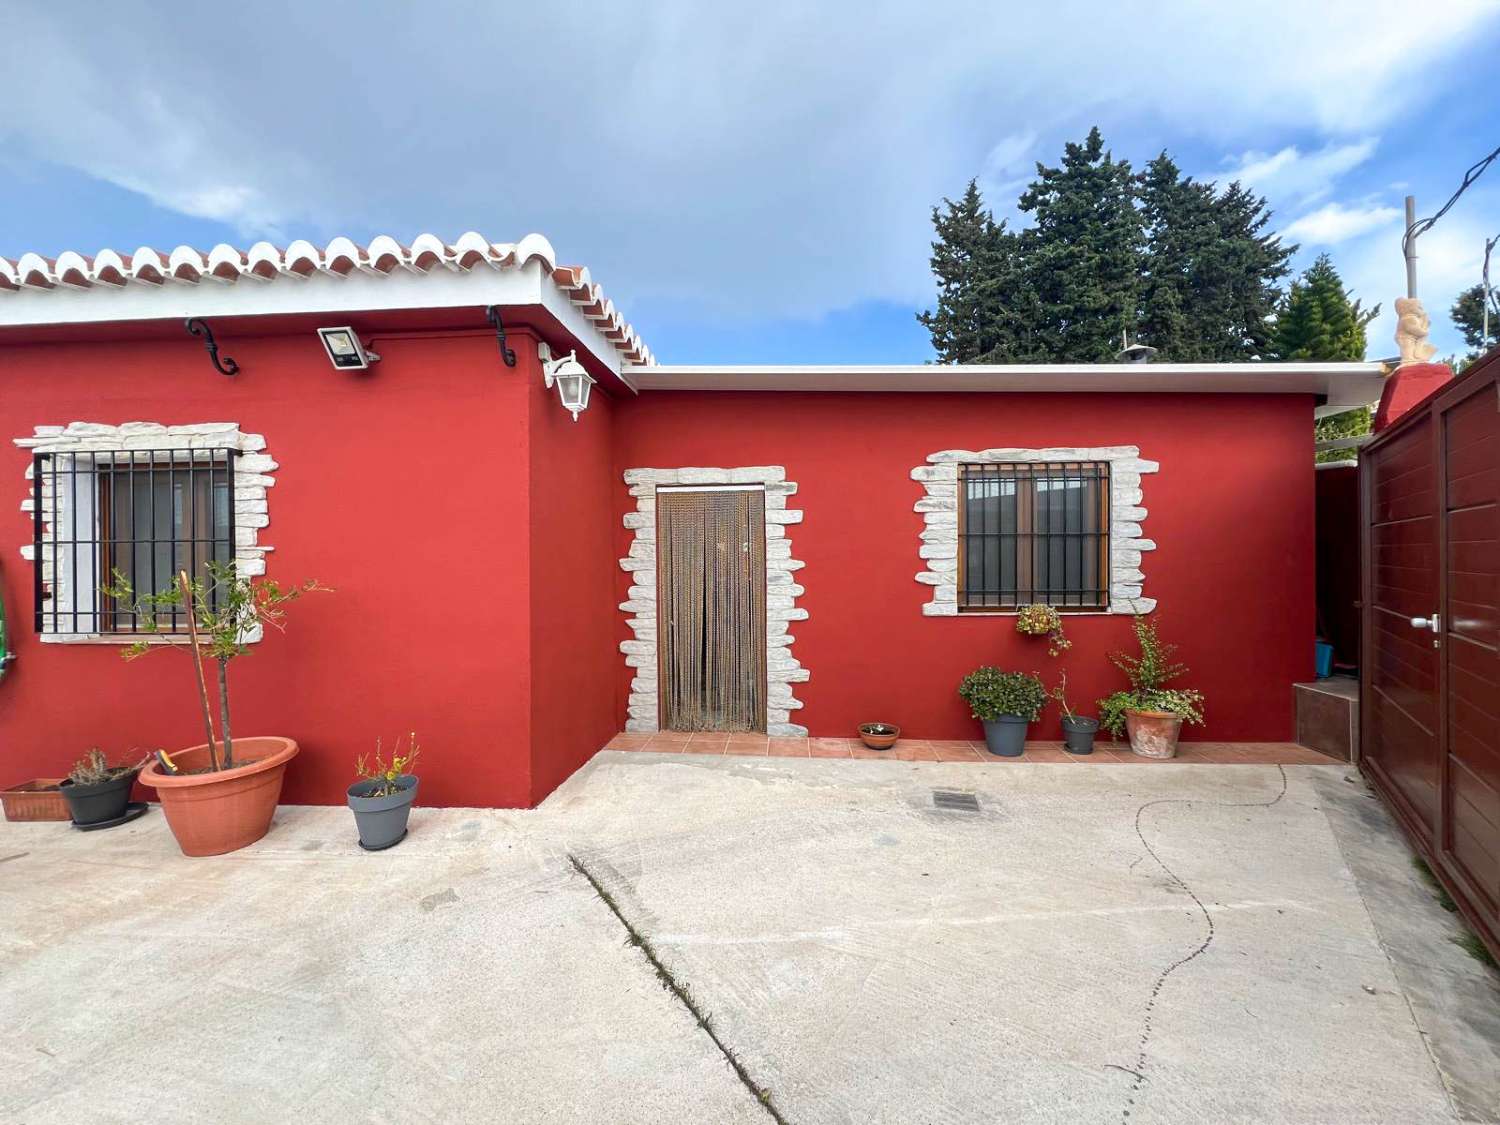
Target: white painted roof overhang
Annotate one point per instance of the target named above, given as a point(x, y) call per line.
point(342, 276)
point(1340, 386)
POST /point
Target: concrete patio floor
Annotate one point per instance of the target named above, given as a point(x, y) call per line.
point(1114, 945)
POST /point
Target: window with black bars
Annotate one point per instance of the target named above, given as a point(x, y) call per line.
point(144, 513)
point(1033, 532)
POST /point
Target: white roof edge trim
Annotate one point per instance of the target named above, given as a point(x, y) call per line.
point(153, 284)
point(1342, 386)
point(1353, 368)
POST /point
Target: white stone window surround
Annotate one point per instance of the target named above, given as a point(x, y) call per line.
point(939, 509)
point(782, 668)
point(252, 478)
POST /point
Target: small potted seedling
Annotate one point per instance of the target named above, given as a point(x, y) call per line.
point(1078, 730)
point(98, 794)
point(1006, 703)
point(879, 736)
point(383, 795)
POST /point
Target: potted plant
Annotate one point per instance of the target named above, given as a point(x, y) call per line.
point(1078, 730)
point(879, 736)
point(383, 796)
point(220, 796)
point(1039, 620)
point(1149, 713)
point(1005, 702)
point(98, 794)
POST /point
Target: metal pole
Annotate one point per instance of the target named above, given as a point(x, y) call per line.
point(1486, 294)
point(1411, 247)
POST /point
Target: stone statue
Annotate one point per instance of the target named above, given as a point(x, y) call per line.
point(1412, 326)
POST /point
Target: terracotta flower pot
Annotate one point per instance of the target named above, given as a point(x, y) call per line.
point(879, 736)
point(214, 813)
point(1153, 734)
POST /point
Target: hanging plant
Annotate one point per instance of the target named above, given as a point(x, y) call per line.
point(1038, 620)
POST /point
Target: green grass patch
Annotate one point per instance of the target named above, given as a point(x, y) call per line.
point(1445, 900)
point(1475, 948)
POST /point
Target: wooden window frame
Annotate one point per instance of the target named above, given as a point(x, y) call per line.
point(1030, 472)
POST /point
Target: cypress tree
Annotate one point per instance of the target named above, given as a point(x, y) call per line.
point(1211, 269)
point(1319, 322)
point(1175, 262)
point(984, 313)
point(1083, 254)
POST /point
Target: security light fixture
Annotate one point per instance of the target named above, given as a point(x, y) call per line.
point(344, 349)
point(573, 383)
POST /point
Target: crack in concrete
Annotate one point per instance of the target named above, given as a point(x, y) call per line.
point(762, 1094)
point(1208, 937)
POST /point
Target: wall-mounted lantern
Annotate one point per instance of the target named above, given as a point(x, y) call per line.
point(573, 383)
point(345, 351)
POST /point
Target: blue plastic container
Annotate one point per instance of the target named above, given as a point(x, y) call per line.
point(1324, 660)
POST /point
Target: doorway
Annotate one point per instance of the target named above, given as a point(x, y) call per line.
point(711, 608)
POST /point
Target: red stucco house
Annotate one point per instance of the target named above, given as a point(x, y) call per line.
point(779, 548)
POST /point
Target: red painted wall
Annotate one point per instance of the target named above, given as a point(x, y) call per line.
point(403, 489)
point(1231, 512)
point(573, 607)
point(471, 531)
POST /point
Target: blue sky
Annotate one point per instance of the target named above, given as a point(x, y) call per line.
point(748, 188)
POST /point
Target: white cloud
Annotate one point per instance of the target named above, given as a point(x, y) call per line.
point(1297, 177)
point(752, 163)
point(1334, 223)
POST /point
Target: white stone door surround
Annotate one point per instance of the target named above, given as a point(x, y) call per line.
point(782, 592)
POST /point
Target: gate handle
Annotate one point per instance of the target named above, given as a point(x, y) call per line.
point(1435, 623)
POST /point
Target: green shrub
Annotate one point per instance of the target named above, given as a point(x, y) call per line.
point(1185, 703)
point(1147, 673)
point(991, 693)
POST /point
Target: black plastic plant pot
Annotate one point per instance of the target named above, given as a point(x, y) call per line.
point(94, 804)
point(1006, 736)
point(1078, 734)
point(382, 820)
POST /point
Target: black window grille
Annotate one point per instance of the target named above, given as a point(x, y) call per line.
point(1034, 532)
point(146, 513)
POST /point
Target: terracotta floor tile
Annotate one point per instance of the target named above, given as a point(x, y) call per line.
point(702, 748)
point(628, 742)
point(668, 737)
point(858, 749)
point(955, 752)
point(827, 748)
point(787, 748)
point(711, 736)
point(913, 750)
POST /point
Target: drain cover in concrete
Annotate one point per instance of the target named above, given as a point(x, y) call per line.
point(955, 800)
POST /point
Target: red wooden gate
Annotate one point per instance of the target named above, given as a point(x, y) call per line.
point(1430, 709)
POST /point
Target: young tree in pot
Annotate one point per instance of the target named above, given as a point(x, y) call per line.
point(98, 794)
point(1151, 714)
point(219, 796)
point(1006, 703)
point(1078, 730)
point(383, 796)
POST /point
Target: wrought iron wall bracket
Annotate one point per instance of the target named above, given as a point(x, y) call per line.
point(492, 314)
point(198, 327)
